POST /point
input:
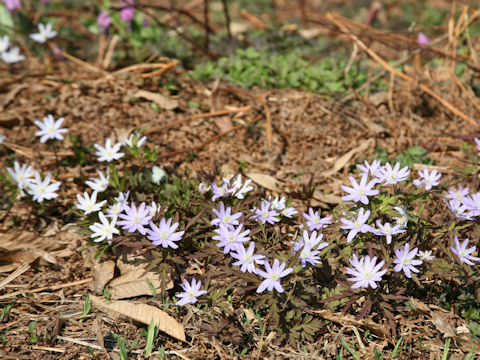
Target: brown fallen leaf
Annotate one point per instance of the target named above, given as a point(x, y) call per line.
point(267, 181)
point(103, 272)
point(224, 123)
point(142, 313)
point(162, 101)
point(327, 198)
point(134, 283)
point(345, 159)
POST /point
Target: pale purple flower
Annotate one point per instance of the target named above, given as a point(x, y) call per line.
point(273, 275)
point(463, 253)
point(387, 230)
point(366, 272)
point(109, 152)
point(219, 192)
point(422, 39)
point(472, 203)
point(165, 234)
point(405, 260)
point(314, 222)
point(458, 194)
point(265, 214)
point(246, 258)
point(477, 141)
point(359, 192)
point(42, 189)
point(12, 5)
point(225, 216)
point(358, 225)
point(310, 247)
point(192, 291)
point(135, 219)
point(50, 129)
point(369, 169)
point(428, 179)
point(314, 241)
point(103, 230)
point(389, 175)
point(231, 238)
point(459, 209)
point(104, 20)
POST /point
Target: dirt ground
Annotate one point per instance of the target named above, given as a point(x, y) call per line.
point(290, 135)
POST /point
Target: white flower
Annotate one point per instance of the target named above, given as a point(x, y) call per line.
point(89, 204)
point(402, 220)
point(100, 184)
point(12, 56)
point(2, 138)
point(109, 152)
point(104, 230)
point(134, 139)
point(21, 174)
point(45, 32)
point(50, 129)
point(426, 255)
point(42, 189)
point(4, 43)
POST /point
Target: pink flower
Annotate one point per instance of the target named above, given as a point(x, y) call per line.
point(128, 11)
point(103, 20)
point(422, 39)
point(12, 4)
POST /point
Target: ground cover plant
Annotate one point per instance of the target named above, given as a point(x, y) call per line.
point(360, 241)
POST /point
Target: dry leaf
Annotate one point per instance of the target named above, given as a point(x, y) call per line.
point(134, 283)
point(103, 272)
point(162, 101)
point(267, 181)
point(327, 198)
point(142, 313)
point(443, 325)
point(345, 159)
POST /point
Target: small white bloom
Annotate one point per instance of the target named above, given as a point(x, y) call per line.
point(402, 220)
point(134, 138)
point(2, 138)
point(426, 255)
point(21, 174)
point(4, 43)
point(50, 129)
point(45, 32)
point(98, 184)
point(104, 229)
point(42, 189)
point(12, 56)
point(158, 175)
point(89, 204)
point(109, 152)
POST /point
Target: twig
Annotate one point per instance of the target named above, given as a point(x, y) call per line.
point(79, 342)
point(205, 24)
point(401, 75)
point(48, 348)
point(83, 63)
point(227, 18)
point(158, 72)
point(51, 287)
point(20, 270)
point(109, 55)
point(161, 128)
point(210, 140)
